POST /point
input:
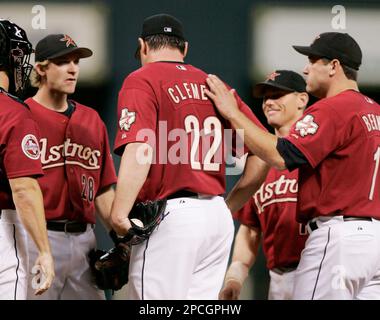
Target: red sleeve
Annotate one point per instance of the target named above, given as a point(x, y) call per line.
point(317, 133)
point(108, 174)
point(22, 153)
point(137, 114)
point(247, 215)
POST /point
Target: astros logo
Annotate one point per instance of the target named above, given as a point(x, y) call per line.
point(272, 76)
point(69, 41)
point(30, 147)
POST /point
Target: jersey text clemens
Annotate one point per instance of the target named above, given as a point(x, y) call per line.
point(50, 157)
point(187, 90)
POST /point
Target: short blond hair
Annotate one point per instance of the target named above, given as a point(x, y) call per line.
point(35, 78)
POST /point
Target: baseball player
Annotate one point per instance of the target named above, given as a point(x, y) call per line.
point(21, 205)
point(272, 209)
point(77, 164)
point(337, 138)
point(171, 139)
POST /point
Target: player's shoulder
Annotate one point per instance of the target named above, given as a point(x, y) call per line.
point(13, 103)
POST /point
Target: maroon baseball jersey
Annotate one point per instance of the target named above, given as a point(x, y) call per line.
point(340, 137)
point(76, 160)
point(19, 150)
point(272, 209)
point(168, 98)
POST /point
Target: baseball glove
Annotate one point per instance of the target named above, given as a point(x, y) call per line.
point(110, 269)
point(150, 213)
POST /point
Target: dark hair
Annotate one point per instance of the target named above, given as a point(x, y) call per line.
point(350, 73)
point(159, 41)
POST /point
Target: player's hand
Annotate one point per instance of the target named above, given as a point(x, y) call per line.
point(43, 273)
point(223, 98)
point(231, 290)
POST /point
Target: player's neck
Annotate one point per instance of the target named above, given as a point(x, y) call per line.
point(4, 80)
point(282, 131)
point(340, 86)
point(165, 55)
point(53, 100)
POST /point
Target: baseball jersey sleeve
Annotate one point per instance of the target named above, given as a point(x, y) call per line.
point(137, 114)
point(247, 215)
point(108, 174)
point(317, 133)
point(22, 153)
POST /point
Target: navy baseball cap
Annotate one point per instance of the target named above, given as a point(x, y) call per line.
point(281, 79)
point(57, 45)
point(334, 45)
point(162, 24)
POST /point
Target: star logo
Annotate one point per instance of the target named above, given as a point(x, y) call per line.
point(127, 118)
point(272, 76)
point(69, 41)
point(316, 38)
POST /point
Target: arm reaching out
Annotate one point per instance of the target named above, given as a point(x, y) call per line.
point(261, 143)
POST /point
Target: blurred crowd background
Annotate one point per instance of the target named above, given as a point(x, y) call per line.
point(241, 41)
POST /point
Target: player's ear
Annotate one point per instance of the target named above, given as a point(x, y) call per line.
point(334, 66)
point(40, 69)
point(143, 47)
point(186, 49)
point(303, 99)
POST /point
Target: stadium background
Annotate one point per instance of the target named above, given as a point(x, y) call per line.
point(222, 37)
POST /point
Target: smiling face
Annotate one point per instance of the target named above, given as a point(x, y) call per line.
point(282, 108)
point(61, 74)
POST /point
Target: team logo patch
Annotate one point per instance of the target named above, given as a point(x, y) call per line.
point(127, 118)
point(306, 126)
point(69, 41)
point(272, 76)
point(30, 147)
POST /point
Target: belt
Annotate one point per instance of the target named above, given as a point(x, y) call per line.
point(314, 226)
point(182, 194)
point(282, 270)
point(67, 227)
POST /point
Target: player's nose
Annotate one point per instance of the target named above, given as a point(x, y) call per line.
point(306, 69)
point(73, 67)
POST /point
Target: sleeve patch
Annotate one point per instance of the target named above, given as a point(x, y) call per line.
point(127, 118)
point(30, 147)
point(306, 126)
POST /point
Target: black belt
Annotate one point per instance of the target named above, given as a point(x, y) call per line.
point(68, 226)
point(282, 270)
point(182, 194)
point(313, 224)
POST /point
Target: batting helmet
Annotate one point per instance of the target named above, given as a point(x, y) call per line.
point(15, 51)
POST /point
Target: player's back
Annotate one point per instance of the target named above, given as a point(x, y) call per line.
point(189, 133)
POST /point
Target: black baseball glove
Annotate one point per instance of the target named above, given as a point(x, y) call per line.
point(110, 269)
point(150, 213)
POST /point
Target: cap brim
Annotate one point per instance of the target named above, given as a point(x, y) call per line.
point(82, 53)
point(260, 89)
point(307, 51)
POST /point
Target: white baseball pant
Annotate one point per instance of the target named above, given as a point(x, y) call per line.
point(186, 256)
point(341, 260)
point(13, 257)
